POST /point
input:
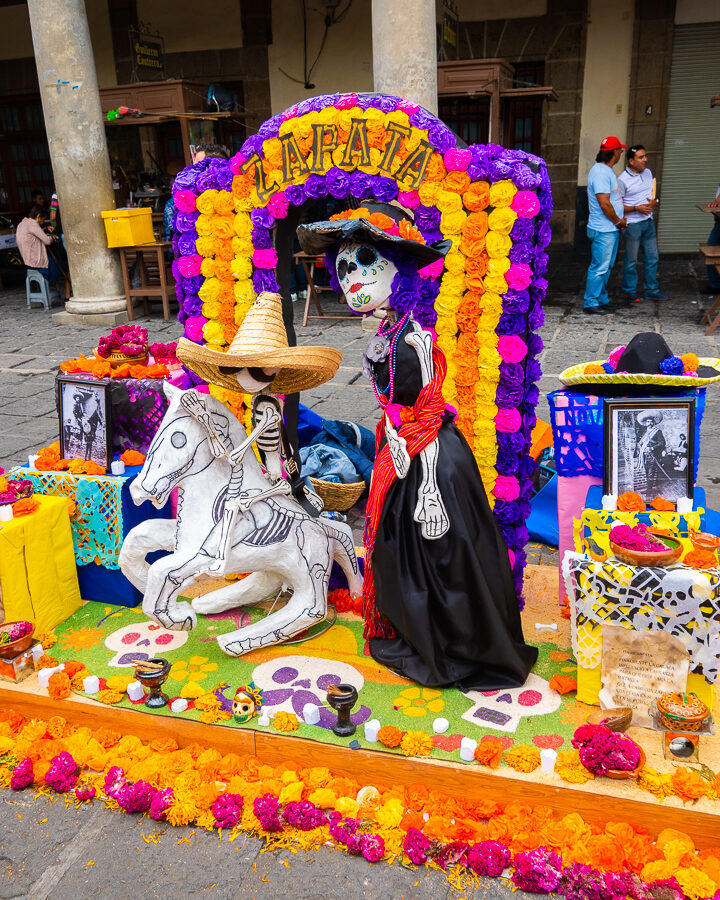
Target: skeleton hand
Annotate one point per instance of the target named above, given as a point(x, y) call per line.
point(217, 427)
point(268, 418)
point(398, 449)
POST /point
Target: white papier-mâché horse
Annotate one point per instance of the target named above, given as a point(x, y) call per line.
point(274, 539)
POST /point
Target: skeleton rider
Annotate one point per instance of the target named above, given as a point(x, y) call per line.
point(259, 362)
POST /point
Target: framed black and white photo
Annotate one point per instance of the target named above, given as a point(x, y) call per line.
point(84, 411)
point(649, 448)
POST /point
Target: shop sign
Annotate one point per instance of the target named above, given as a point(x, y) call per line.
point(148, 52)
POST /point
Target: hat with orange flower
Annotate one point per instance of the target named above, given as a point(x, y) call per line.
point(372, 223)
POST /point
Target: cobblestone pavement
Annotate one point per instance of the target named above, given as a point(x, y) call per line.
point(93, 852)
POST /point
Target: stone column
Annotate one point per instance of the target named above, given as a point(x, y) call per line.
point(79, 154)
point(404, 48)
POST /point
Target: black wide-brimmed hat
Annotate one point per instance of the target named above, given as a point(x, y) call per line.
point(319, 237)
point(645, 365)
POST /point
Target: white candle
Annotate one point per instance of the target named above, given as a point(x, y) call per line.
point(117, 467)
point(371, 731)
point(6, 512)
point(311, 714)
point(609, 502)
point(440, 726)
point(684, 505)
point(264, 720)
point(467, 749)
point(548, 758)
point(135, 691)
point(31, 461)
point(44, 675)
point(37, 651)
point(91, 684)
point(179, 705)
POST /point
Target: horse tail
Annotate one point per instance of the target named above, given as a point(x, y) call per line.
point(344, 553)
point(148, 536)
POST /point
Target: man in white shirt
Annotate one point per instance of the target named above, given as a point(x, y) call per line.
point(636, 189)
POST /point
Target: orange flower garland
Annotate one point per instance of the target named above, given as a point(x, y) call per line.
point(101, 368)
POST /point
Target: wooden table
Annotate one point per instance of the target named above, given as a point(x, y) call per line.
point(711, 254)
point(308, 262)
point(154, 278)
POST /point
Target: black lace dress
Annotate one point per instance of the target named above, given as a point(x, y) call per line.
point(451, 600)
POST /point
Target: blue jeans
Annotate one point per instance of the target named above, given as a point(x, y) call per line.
point(637, 235)
point(712, 272)
point(604, 251)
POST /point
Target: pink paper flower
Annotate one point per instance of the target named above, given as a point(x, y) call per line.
point(511, 557)
point(347, 101)
point(194, 328)
point(457, 160)
point(289, 113)
point(236, 163)
point(512, 349)
point(185, 201)
point(508, 420)
point(409, 199)
point(278, 205)
point(525, 204)
point(407, 107)
point(518, 276)
point(507, 488)
point(433, 270)
point(190, 265)
point(615, 356)
point(265, 259)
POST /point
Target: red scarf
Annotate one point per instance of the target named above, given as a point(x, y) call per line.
point(420, 425)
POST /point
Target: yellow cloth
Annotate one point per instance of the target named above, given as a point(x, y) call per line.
point(38, 576)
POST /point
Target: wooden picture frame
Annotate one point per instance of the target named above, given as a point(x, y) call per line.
point(85, 416)
point(649, 447)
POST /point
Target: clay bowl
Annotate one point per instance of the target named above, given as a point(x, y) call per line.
point(616, 719)
point(7, 651)
point(644, 558)
point(117, 359)
point(620, 774)
point(702, 540)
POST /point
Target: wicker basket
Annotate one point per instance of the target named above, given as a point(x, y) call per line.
point(681, 711)
point(338, 497)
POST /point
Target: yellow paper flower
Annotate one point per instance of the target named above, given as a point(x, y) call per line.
point(241, 268)
point(417, 702)
point(206, 202)
point(502, 219)
point(197, 668)
point(497, 245)
point(452, 222)
point(347, 807)
point(291, 792)
point(214, 333)
point(203, 226)
point(390, 814)
point(448, 202)
point(502, 193)
point(323, 798)
point(416, 743)
point(495, 283)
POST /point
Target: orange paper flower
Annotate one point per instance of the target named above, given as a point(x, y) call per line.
point(489, 752)
point(563, 684)
point(698, 559)
point(390, 736)
point(631, 502)
point(133, 458)
point(662, 505)
point(25, 506)
point(593, 369)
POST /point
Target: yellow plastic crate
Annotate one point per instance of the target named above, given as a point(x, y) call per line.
point(128, 227)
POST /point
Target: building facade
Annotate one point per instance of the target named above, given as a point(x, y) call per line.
point(549, 76)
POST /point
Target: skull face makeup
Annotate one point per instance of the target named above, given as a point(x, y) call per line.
point(365, 276)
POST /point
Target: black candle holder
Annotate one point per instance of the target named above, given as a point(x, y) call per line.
point(154, 680)
point(342, 700)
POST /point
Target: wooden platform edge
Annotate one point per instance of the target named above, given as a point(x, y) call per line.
point(370, 767)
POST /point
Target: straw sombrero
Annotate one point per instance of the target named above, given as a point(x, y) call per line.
point(261, 342)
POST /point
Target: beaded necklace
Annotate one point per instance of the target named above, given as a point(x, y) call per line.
point(387, 329)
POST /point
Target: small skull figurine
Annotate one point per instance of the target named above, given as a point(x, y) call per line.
point(246, 702)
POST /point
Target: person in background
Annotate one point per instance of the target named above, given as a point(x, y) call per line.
point(37, 198)
point(636, 189)
point(712, 272)
point(209, 151)
point(33, 242)
point(605, 222)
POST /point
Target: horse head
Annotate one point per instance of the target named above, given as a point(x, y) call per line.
point(178, 450)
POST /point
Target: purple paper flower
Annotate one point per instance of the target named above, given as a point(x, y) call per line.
point(262, 217)
point(427, 218)
point(360, 185)
point(441, 137)
point(384, 189)
point(338, 183)
point(315, 187)
point(261, 238)
point(294, 194)
point(264, 280)
point(423, 119)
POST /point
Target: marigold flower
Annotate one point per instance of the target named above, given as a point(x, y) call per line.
point(631, 502)
point(390, 736)
point(593, 369)
point(59, 686)
point(662, 505)
point(133, 458)
point(523, 758)
point(110, 696)
point(285, 721)
point(45, 661)
point(701, 559)
point(489, 752)
point(416, 743)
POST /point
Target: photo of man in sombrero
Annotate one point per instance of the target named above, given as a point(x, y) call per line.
point(438, 597)
point(260, 363)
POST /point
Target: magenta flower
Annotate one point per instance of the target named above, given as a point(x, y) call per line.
point(114, 780)
point(160, 803)
point(416, 846)
point(266, 808)
point(135, 798)
point(227, 810)
point(62, 774)
point(22, 775)
point(372, 847)
point(602, 749)
point(489, 858)
point(537, 871)
point(304, 815)
point(85, 792)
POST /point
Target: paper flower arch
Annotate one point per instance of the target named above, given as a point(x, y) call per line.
point(493, 204)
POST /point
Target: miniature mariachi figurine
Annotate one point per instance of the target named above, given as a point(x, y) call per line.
point(439, 601)
point(247, 701)
point(258, 362)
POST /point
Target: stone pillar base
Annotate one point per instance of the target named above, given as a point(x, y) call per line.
point(93, 311)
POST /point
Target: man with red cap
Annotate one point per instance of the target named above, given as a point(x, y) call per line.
point(605, 222)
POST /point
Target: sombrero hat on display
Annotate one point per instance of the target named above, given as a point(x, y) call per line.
point(645, 364)
point(373, 223)
point(261, 342)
